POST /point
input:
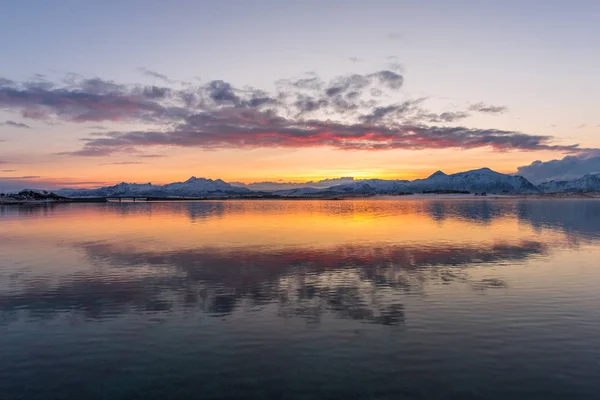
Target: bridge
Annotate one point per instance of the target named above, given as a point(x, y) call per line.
point(126, 198)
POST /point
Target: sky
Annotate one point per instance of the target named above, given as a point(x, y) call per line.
point(98, 92)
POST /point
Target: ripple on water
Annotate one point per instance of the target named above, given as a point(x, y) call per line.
point(362, 298)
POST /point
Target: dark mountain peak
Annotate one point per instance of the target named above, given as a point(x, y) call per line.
point(437, 174)
point(481, 171)
point(193, 179)
point(484, 170)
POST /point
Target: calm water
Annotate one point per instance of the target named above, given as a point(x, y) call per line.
point(369, 299)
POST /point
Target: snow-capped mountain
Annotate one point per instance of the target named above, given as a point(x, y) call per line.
point(201, 185)
point(479, 180)
point(373, 186)
point(191, 188)
point(119, 189)
point(287, 186)
point(587, 183)
point(306, 191)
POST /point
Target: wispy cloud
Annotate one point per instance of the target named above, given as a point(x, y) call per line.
point(487, 108)
point(154, 74)
point(125, 163)
point(448, 116)
point(151, 155)
point(394, 36)
point(15, 124)
point(20, 177)
point(8, 170)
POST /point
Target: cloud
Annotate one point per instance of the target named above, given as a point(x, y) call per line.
point(347, 112)
point(125, 163)
point(444, 117)
point(82, 101)
point(487, 108)
point(16, 124)
point(98, 86)
point(390, 79)
point(8, 170)
point(20, 177)
point(154, 74)
point(3, 162)
point(394, 112)
point(567, 168)
point(151, 155)
point(355, 59)
point(342, 95)
point(394, 35)
point(232, 128)
point(155, 92)
point(394, 64)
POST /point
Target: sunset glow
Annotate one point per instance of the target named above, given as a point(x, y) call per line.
point(374, 105)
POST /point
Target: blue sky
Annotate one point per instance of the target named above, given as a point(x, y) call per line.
point(536, 59)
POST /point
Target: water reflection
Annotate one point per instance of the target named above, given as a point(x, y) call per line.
point(302, 256)
point(357, 282)
point(240, 259)
point(577, 216)
point(243, 299)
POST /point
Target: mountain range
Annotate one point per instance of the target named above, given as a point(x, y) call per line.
point(479, 180)
point(587, 183)
point(190, 188)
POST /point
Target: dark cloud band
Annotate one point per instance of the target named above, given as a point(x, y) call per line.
point(567, 168)
point(347, 112)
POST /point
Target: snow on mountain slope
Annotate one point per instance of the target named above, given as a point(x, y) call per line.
point(587, 183)
point(285, 186)
point(190, 188)
point(373, 186)
point(120, 189)
point(307, 191)
point(479, 180)
point(194, 186)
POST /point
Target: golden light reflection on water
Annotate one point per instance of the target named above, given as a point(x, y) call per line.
point(387, 237)
point(270, 224)
point(98, 287)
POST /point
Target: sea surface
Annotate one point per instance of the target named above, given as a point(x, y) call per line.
point(351, 299)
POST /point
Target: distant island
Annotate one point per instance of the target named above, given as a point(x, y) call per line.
point(480, 182)
point(31, 196)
